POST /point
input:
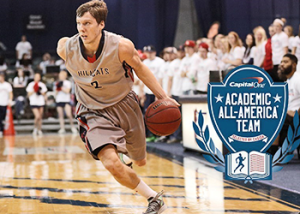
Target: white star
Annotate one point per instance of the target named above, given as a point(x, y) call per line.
point(277, 98)
point(219, 98)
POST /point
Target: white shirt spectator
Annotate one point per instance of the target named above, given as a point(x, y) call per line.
point(186, 65)
point(63, 97)
point(43, 65)
point(259, 54)
point(22, 48)
point(291, 42)
point(154, 66)
point(202, 71)
point(20, 82)
point(221, 65)
point(34, 99)
point(236, 53)
point(5, 89)
point(294, 92)
point(3, 67)
point(297, 45)
point(251, 55)
point(174, 72)
point(279, 42)
point(297, 53)
point(164, 75)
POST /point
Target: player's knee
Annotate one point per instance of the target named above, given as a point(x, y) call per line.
point(114, 166)
point(140, 162)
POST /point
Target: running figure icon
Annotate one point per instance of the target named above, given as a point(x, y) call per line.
point(240, 159)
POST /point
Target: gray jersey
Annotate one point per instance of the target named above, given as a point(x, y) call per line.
point(104, 82)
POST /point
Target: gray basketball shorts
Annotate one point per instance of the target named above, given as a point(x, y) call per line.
point(121, 125)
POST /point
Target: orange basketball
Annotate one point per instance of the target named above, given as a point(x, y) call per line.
point(163, 117)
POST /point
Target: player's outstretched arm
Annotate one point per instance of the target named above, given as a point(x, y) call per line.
point(128, 53)
point(61, 48)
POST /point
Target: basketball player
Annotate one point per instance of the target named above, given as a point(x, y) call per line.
point(108, 112)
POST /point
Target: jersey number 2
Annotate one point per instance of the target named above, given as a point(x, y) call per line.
point(95, 84)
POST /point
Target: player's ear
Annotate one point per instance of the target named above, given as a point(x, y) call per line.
point(102, 24)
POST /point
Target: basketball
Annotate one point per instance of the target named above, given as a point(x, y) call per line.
point(163, 117)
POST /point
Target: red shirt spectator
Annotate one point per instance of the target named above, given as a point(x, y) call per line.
point(268, 64)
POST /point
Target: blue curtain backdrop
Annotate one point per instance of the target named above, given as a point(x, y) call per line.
point(143, 21)
point(243, 15)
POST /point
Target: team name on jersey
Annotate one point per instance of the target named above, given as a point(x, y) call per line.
point(96, 72)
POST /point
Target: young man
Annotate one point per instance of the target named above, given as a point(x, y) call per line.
point(108, 111)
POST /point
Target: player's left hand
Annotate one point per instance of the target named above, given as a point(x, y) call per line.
point(172, 100)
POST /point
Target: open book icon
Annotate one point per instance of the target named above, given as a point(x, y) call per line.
point(243, 165)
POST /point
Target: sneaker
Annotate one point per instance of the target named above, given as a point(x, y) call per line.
point(61, 131)
point(34, 132)
point(156, 205)
point(150, 139)
point(173, 140)
point(74, 130)
point(125, 160)
point(40, 133)
point(161, 139)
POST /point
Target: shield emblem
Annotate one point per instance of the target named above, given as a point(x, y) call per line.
point(247, 109)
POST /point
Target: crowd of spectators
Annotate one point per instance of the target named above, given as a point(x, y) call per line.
point(186, 70)
point(30, 89)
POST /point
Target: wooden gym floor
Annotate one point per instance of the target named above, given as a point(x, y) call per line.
point(54, 174)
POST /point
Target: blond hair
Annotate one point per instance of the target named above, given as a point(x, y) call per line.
point(261, 30)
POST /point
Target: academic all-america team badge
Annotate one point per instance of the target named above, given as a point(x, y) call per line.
point(247, 111)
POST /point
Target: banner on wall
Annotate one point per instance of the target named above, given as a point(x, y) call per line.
point(35, 22)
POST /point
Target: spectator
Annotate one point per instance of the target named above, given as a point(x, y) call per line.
point(202, 69)
point(268, 63)
point(296, 48)
point(61, 63)
point(23, 47)
point(20, 81)
point(46, 61)
point(165, 68)
point(236, 51)
point(6, 100)
point(3, 66)
point(290, 32)
point(63, 99)
point(224, 47)
point(249, 49)
point(287, 72)
point(25, 63)
point(175, 89)
point(260, 41)
point(36, 92)
point(217, 46)
point(154, 63)
point(188, 78)
point(280, 42)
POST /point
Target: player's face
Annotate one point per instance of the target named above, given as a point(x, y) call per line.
point(1, 78)
point(88, 28)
